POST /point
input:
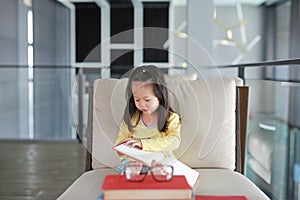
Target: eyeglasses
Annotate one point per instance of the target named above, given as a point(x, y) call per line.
point(135, 171)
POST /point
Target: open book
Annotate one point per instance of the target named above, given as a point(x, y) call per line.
point(146, 157)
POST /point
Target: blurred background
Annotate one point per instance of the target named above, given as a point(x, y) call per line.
point(53, 50)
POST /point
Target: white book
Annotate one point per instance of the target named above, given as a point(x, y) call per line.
point(147, 157)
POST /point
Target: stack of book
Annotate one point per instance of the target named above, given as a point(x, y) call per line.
point(116, 187)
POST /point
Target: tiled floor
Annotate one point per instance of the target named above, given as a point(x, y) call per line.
point(32, 170)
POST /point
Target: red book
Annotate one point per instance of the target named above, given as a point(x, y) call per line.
point(118, 188)
point(223, 197)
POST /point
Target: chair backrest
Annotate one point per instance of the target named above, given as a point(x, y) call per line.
point(210, 116)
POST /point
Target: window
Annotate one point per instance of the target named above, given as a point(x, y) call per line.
point(156, 15)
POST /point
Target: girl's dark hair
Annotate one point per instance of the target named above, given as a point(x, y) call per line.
point(157, 79)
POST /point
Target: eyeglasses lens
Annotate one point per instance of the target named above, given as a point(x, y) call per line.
point(133, 171)
point(162, 173)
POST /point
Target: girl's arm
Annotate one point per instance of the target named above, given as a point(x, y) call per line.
point(123, 133)
point(167, 141)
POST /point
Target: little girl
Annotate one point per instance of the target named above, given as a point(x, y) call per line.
point(149, 123)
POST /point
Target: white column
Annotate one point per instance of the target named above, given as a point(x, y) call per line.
point(72, 43)
point(199, 28)
point(177, 36)
point(105, 40)
point(200, 22)
point(138, 33)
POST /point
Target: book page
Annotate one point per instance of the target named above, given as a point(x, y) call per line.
point(190, 174)
point(145, 157)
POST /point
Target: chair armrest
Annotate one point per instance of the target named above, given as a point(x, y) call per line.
point(242, 95)
point(89, 135)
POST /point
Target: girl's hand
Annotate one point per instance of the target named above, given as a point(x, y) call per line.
point(133, 143)
point(155, 163)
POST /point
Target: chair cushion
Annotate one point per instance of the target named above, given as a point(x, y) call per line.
point(211, 182)
point(226, 182)
point(207, 110)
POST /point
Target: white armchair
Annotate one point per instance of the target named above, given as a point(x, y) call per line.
point(211, 113)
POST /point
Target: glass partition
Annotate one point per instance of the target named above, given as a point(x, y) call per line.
point(13, 103)
point(36, 110)
point(273, 137)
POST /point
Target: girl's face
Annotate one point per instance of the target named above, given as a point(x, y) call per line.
point(144, 97)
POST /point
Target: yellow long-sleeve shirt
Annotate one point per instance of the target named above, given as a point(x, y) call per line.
point(151, 138)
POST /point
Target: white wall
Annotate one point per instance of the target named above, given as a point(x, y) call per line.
point(202, 29)
point(226, 55)
point(179, 22)
point(200, 32)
